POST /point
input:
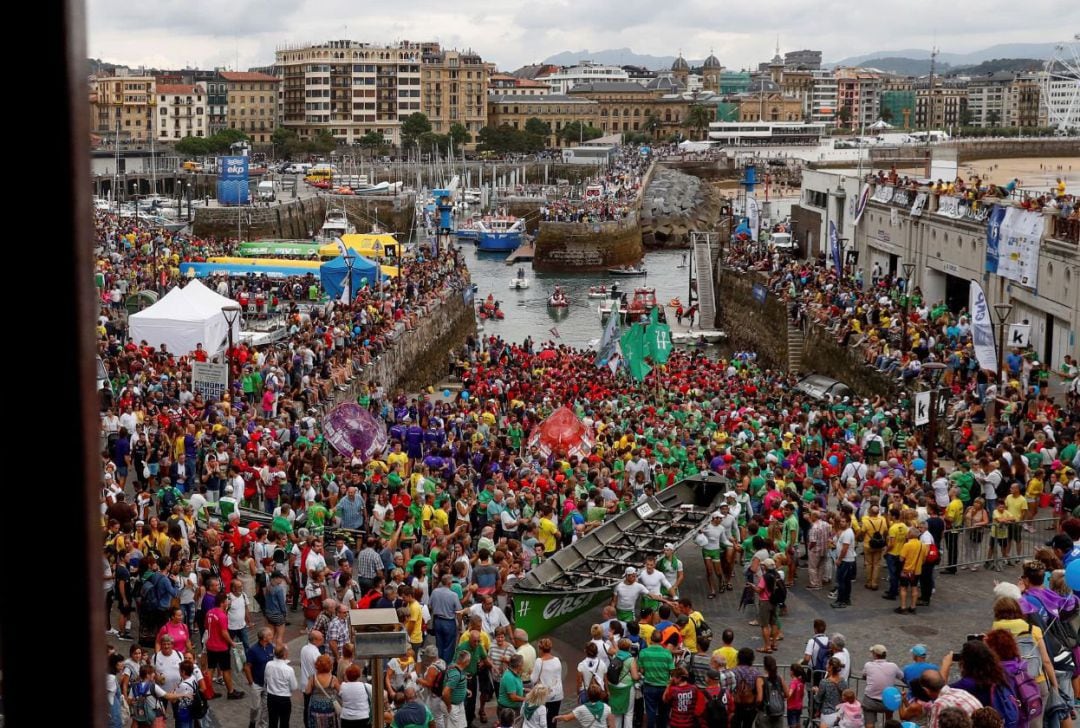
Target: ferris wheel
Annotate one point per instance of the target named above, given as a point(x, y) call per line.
point(1061, 86)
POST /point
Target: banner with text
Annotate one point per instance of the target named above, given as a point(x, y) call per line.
point(1014, 253)
point(232, 186)
point(982, 329)
point(922, 408)
point(209, 379)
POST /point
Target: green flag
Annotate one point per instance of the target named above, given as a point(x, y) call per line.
point(633, 349)
point(657, 339)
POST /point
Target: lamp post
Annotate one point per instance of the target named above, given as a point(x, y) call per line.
point(231, 313)
point(348, 276)
point(1003, 311)
point(909, 270)
point(933, 370)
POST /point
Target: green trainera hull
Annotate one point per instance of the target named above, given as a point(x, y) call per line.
point(581, 576)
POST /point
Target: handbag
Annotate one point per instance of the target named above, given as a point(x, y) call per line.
point(336, 703)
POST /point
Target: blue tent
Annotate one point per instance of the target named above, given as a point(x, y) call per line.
point(332, 274)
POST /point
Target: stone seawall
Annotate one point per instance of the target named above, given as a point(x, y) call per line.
point(418, 358)
point(763, 329)
point(673, 204)
point(588, 247)
point(301, 218)
point(969, 150)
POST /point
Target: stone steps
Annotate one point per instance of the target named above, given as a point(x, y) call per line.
point(795, 348)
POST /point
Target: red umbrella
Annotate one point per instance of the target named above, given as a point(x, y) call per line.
point(547, 355)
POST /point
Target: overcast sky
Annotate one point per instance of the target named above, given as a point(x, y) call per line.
point(243, 33)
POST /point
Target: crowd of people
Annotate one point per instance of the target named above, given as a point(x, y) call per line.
point(226, 521)
point(608, 196)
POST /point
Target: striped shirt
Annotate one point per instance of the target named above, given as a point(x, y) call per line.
point(953, 697)
point(656, 664)
point(368, 564)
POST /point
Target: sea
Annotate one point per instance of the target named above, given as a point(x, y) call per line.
point(527, 313)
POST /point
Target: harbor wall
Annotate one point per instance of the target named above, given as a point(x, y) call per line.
point(588, 247)
point(969, 150)
point(301, 218)
point(764, 329)
point(417, 359)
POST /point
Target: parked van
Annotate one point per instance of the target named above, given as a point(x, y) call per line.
point(266, 191)
point(818, 386)
point(782, 242)
point(297, 168)
point(191, 166)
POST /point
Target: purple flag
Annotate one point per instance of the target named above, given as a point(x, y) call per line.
point(352, 429)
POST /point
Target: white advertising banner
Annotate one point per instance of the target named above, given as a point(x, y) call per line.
point(209, 379)
point(922, 408)
point(982, 329)
point(1018, 246)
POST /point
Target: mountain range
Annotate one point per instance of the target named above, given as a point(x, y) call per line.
point(913, 61)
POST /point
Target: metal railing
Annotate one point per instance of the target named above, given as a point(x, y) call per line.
point(991, 546)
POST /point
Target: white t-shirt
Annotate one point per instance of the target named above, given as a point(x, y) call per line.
point(847, 536)
point(238, 606)
point(489, 621)
point(355, 700)
point(845, 659)
point(626, 595)
point(654, 581)
point(315, 562)
point(168, 666)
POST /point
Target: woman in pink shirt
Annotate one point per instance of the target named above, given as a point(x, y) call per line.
point(176, 629)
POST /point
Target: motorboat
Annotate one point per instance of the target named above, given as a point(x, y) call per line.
point(335, 225)
point(499, 233)
point(708, 336)
point(642, 302)
point(674, 303)
point(627, 270)
point(602, 291)
point(557, 299)
point(489, 309)
point(519, 282)
point(576, 580)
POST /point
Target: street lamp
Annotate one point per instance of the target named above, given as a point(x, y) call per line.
point(231, 312)
point(909, 270)
point(933, 370)
point(1003, 311)
point(348, 276)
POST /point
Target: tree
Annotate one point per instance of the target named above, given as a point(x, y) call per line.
point(224, 139)
point(323, 142)
point(993, 117)
point(287, 143)
point(412, 128)
point(575, 132)
point(636, 137)
point(651, 124)
point(886, 114)
point(193, 146)
point(844, 115)
point(966, 116)
point(698, 118)
point(459, 135)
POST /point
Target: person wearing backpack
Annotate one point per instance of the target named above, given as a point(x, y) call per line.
point(875, 529)
point(774, 695)
point(771, 592)
point(1003, 645)
point(1032, 646)
point(981, 675)
point(684, 701)
point(148, 700)
point(191, 704)
point(622, 674)
point(817, 652)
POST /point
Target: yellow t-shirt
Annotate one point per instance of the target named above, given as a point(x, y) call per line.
point(954, 513)
point(912, 554)
point(485, 641)
point(729, 654)
point(872, 525)
point(398, 457)
point(441, 519)
point(689, 632)
point(898, 535)
point(1016, 505)
point(1034, 488)
point(546, 533)
point(414, 614)
point(645, 631)
point(427, 519)
point(1019, 627)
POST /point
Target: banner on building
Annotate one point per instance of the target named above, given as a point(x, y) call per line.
point(922, 408)
point(209, 379)
point(949, 207)
point(982, 329)
point(860, 204)
point(834, 246)
point(753, 217)
point(759, 293)
point(882, 194)
point(1019, 336)
point(232, 186)
point(918, 205)
point(1012, 244)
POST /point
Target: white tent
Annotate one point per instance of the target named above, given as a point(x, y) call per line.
point(183, 318)
point(879, 125)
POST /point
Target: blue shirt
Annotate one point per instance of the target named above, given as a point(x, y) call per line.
point(258, 656)
point(1072, 555)
point(913, 670)
point(351, 512)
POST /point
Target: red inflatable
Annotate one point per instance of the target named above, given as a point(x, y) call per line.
point(562, 432)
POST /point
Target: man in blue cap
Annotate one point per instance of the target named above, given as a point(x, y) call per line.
point(918, 665)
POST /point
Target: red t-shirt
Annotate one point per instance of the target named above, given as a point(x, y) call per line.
point(217, 630)
point(687, 702)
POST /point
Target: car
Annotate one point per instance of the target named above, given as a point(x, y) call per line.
point(818, 386)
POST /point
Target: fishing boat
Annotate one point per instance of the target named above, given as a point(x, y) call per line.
point(602, 291)
point(499, 233)
point(489, 309)
point(643, 302)
point(627, 270)
point(557, 299)
point(335, 224)
point(519, 282)
point(581, 577)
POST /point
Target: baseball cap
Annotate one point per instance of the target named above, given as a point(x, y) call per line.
point(919, 650)
point(768, 564)
point(717, 514)
point(630, 570)
point(878, 650)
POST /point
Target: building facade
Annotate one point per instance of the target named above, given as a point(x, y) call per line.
point(988, 100)
point(807, 60)
point(123, 102)
point(1024, 101)
point(859, 96)
point(348, 89)
point(506, 84)
point(1060, 106)
point(565, 79)
point(556, 110)
point(947, 244)
point(251, 103)
point(181, 112)
point(629, 107)
point(454, 90)
point(948, 102)
point(823, 97)
point(217, 104)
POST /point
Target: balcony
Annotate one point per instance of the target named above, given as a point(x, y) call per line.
point(1065, 229)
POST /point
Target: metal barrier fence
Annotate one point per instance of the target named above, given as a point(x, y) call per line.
point(994, 545)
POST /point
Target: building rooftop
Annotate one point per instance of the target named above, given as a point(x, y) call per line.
point(247, 76)
point(665, 83)
point(179, 89)
point(711, 62)
point(530, 99)
point(609, 87)
point(680, 64)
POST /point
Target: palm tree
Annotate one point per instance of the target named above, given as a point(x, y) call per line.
point(651, 125)
point(698, 118)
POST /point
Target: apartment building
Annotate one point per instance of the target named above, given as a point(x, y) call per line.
point(125, 103)
point(251, 103)
point(823, 97)
point(453, 90)
point(181, 112)
point(859, 92)
point(556, 110)
point(948, 101)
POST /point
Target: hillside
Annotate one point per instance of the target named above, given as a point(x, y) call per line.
point(1041, 51)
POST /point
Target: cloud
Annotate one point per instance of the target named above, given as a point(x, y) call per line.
point(514, 32)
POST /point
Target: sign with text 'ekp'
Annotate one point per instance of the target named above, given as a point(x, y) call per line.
point(232, 186)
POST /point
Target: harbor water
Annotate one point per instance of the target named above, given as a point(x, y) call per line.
point(527, 312)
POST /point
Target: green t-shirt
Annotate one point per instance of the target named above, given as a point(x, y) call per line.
point(510, 683)
point(457, 682)
point(515, 433)
point(478, 653)
point(316, 517)
point(281, 525)
point(656, 664)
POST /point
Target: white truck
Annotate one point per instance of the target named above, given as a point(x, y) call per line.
point(266, 191)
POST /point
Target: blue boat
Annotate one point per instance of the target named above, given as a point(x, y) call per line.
point(502, 234)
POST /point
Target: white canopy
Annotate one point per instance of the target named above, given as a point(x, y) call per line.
point(183, 318)
point(880, 124)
